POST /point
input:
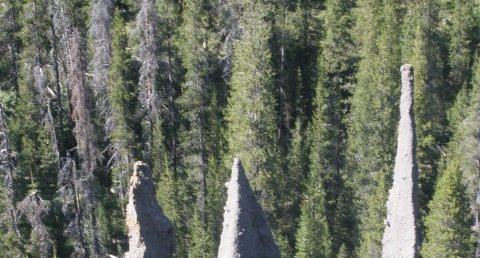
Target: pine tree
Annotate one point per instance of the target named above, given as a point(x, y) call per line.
point(10, 239)
point(448, 225)
point(313, 237)
point(429, 107)
point(35, 138)
point(294, 185)
point(202, 243)
point(9, 44)
point(463, 149)
point(374, 112)
point(328, 132)
point(121, 96)
point(372, 224)
point(375, 97)
point(251, 106)
point(463, 37)
point(200, 137)
point(303, 28)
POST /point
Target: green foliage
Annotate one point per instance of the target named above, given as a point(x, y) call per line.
point(429, 91)
point(337, 67)
point(202, 244)
point(313, 237)
point(251, 105)
point(121, 95)
point(374, 114)
point(305, 92)
point(448, 225)
point(372, 225)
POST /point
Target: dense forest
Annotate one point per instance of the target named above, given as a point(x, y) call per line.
point(305, 92)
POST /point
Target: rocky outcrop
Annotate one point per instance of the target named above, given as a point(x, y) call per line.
point(246, 233)
point(150, 233)
point(400, 238)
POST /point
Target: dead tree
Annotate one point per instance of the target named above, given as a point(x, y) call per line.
point(148, 53)
point(7, 167)
point(35, 209)
point(100, 32)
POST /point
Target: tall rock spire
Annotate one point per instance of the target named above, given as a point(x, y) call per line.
point(400, 238)
point(150, 233)
point(246, 233)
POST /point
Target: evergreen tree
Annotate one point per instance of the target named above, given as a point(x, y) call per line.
point(374, 112)
point(313, 237)
point(200, 137)
point(429, 107)
point(463, 37)
point(9, 44)
point(337, 66)
point(120, 94)
point(448, 225)
point(35, 137)
point(251, 113)
point(294, 184)
point(372, 224)
point(202, 243)
point(10, 239)
point(463, 148)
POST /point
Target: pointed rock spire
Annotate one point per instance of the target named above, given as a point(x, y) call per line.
point(400, 238)
point(150, 233)
point(246, 233)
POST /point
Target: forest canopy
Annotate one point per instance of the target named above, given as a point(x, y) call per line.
point(305, 92)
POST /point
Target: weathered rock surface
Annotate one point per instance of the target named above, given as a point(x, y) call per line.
point(400, 238)
point(246, 233)
point(150, 233)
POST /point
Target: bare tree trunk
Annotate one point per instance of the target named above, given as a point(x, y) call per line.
point(7, 165)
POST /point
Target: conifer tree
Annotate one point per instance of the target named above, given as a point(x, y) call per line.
point(430, 115)
point(303, 30)
point(463, 150)
point(463, 37)
point(461, 29)
point(121, 96)
point(250, 112)
point(10, 44)
point(294, 184)
point(372, 224)
point(313, 237)
point(337, 66)
point(35, 138)
point(375, 97)
point(10, 240)
point(200, 134)
point(374, 112)
point(448, 225)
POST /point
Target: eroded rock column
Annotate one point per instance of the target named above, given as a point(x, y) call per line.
point(246, 232)
point(400, 238)
point(150, 233)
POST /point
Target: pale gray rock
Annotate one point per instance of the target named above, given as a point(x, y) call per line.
point(400, 238)
point(246, 232)
point(150, 233)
